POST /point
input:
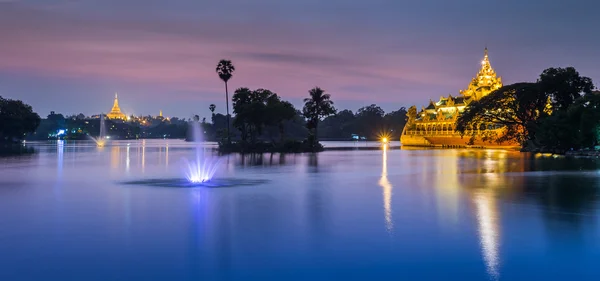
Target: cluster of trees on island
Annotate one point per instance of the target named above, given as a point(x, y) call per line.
point(558, 112)
point(264, 122)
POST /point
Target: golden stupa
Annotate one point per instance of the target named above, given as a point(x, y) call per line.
point(115, 112)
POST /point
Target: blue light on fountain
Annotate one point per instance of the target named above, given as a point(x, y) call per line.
point(204, 167)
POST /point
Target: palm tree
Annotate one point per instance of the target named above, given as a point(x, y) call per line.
point(317, 106)
point(225, 71)
point(212, 108)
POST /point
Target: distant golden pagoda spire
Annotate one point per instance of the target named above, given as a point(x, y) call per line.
point(485, 82)
point(116, 103)
point(115, 112)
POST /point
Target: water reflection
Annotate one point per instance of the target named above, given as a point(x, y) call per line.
point(127, 160)
point(264, 159)
point(115, 157)
point(447, 187)
point(489, 234)
point(387, 193)
point(313, 163)
point(484, 178)
point(60, 149)
point(500, 205)
point(143, 156)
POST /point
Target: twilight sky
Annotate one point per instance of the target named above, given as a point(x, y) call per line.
point(71, 56)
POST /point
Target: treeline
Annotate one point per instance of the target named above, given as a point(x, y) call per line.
point(558, 112)
point(262, 116)
point(17, 119)
point(80, 127)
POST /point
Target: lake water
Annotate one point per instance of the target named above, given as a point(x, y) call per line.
point(67, 214)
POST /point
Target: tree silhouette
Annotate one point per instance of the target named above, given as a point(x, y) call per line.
point(212, 108)
point(225, 71)
point(278, 112)
point(317, 106)
point(564, 86)
point(516, 107)
point(16, 120)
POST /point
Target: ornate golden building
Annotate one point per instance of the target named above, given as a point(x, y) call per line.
point(435, 125)
point(115, 112)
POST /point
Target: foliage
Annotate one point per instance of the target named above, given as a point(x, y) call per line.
point(259, 108)
point(564, 86)
point(395, 122)
point(339, 125)
point(278, 112)
point(318, 105)
point(574, 128)
point(550, 114)
point(515, 107)
point(369, 120)
point(16, 120)
point(225, 71)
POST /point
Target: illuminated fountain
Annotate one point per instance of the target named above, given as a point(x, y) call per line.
point(101, 139)
point(203, 167)
point(199, 170)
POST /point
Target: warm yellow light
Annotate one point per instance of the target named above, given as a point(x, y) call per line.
point(384, 140)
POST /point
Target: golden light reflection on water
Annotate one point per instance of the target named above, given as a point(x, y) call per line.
point(127, 160)
point(387, 193)
point(482, 175)
point(489, 234)
point(115, 158)
point(488, 180)
point(447, 187)
point(143, 156)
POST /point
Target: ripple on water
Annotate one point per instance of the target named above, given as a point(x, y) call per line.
point(184, 183)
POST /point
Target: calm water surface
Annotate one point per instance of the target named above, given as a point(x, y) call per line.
point(66, 214)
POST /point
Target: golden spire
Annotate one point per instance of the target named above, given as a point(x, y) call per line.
point(115, 112)
point(485, 82)
point(116, 104)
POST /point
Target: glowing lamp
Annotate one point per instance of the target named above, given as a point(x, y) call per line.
point(384, 140)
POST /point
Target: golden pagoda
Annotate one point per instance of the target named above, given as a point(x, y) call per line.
point(485, 82)
point(435, 125)
point(115, 112)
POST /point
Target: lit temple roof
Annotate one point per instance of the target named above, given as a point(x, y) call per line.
point(485, 81)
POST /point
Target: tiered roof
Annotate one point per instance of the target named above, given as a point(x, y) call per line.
point(481, 85)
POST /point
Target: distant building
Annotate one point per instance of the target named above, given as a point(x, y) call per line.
point(115, 112)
